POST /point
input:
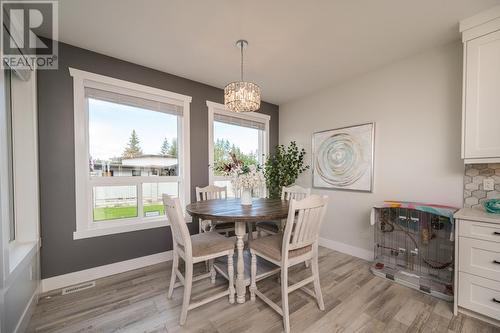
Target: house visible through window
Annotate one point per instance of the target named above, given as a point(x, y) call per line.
point(131, 138)
point(135, 150)
point(243, 135)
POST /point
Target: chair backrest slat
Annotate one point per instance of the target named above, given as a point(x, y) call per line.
point(180, 231)
point(303, 224)
point(211, 192)
point(295, 192)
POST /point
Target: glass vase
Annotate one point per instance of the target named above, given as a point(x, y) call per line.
point(246, 197)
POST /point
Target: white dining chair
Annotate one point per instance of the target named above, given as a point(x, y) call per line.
point(298, 244)
point(212, 192)
point(287, 193)
point(194, 249)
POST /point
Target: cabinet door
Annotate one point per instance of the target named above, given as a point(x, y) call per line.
point(482, 97)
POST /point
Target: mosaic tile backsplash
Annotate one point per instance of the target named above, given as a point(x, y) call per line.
point(474, 193)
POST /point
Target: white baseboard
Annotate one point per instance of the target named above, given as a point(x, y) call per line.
point(346, 248)
point(65, 280)
point(479, 316)
point(23, 323)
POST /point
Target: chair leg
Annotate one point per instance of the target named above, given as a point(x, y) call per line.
point(173, 277)
point(213, 273)
point(253, 274)
point(284, 298)
point(250, 233)
point(307, 263)
point(317, 287)
point(188, 283)
point(230, 275)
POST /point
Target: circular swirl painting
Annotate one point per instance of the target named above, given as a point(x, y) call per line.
point(343, 158)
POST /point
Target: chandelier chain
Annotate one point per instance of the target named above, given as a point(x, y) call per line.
point(241, 46)
point(242, 96)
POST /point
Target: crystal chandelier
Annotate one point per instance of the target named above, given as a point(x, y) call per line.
point(242, 96)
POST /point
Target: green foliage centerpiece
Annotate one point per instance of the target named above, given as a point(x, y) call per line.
point(244, 178)
point(283, 168)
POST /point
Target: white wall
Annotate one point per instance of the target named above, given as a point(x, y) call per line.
point(416, 105)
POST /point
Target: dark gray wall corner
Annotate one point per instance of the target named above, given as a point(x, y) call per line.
point(60, 254)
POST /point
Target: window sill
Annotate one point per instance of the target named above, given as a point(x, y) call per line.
point(101, 230)
point(19, 251)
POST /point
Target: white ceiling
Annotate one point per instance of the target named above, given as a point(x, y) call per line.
point(296, 46)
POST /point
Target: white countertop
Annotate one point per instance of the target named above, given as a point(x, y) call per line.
point(477, 215)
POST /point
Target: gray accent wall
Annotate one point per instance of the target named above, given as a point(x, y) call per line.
point(60, 254)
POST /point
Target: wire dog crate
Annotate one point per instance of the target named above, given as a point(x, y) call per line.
point(414, 246)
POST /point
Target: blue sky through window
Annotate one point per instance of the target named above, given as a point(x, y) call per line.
point(111, 124)
point(245, 138)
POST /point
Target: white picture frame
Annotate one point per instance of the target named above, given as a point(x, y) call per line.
point(343, 158)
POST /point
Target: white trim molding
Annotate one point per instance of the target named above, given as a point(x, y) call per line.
point(85, 227)
point(24, 321)
point(480, 24)
point(346, 248)
point(481, 160)
point(173, 98)
point(66, 280)
point(25, 200)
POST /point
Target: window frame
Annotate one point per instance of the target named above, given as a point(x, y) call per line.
point(84, 183)
point(25, 173)
point(217, 108)
point(9, 131)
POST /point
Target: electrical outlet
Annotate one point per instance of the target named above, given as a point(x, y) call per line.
point(489, 184)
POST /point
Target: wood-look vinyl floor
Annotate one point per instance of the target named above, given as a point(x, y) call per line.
point(355, 301)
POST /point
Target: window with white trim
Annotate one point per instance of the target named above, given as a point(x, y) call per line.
point(18, 167)
point(131, 146)
point(244, 134)
point(10, 157)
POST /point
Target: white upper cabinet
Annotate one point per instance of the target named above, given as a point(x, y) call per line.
point(481, 101)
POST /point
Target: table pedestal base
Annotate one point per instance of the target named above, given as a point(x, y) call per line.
point(243, 258)
point(240, 231)
point(264, 269)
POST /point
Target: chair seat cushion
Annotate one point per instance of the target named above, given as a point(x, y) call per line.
point(207, 243)
point(269, 226)
point(270, 246)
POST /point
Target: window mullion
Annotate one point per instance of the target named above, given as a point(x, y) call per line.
point(95, 181)
point(260, 158)
point(140, 202)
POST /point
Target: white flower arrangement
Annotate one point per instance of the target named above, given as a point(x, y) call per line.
point(247, 177)
point(243, 177)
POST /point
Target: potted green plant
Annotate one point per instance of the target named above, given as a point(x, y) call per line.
point(283, 168)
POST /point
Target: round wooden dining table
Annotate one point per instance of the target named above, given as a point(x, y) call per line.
point(231, 210)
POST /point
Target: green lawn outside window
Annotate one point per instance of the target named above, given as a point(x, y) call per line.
point(113, 213)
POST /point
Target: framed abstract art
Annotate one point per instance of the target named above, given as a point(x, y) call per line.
point(343, 158)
